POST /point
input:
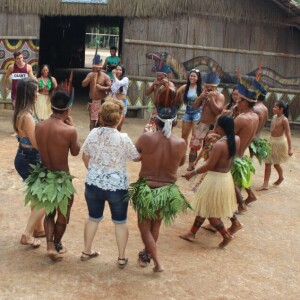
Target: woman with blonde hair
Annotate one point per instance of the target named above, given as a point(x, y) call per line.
point(105, 152)
point(24, 121)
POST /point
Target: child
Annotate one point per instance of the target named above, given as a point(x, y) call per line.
point(281, 143)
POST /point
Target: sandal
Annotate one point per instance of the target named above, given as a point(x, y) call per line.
point(144, 258)
point(123, 264)
point(86, 256)
point(39, 234)
point(30, 241)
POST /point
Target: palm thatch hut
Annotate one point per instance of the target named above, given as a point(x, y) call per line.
point(207, 34)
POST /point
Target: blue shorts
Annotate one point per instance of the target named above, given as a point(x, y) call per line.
point(126, 103)
point(23, 159)
point(95, 200)
point(191, 117)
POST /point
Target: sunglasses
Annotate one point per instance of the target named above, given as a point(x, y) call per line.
point(195, 70)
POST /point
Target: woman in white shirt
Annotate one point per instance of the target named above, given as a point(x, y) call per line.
point(105, 152)
point(119, 89)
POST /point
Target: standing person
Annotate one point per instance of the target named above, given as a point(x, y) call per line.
point(281, 143)
point(155, 196)
point(212, 103)
point(246, 124)
point(160, 81)
point(119, 89)
point(99, 84)
point(215, 198)
point(18, 70)
point(24, 122)
point(55, 137)
point(47, 84)
point(105, 152)
point(231, 107)
point(111, 62)
point(188, 93)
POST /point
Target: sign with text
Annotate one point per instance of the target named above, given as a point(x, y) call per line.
point(86, 1)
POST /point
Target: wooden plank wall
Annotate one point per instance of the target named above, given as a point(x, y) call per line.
point(194, 30)
point(19, 25)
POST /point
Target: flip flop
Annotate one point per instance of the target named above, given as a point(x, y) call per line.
point(28, 241)
point(39, 234)
point(86, 256)
point(123, 264)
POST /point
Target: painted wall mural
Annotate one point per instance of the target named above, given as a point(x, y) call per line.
point(29, 49)
point(204, 63)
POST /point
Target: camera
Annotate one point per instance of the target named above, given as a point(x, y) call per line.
point(110, 67)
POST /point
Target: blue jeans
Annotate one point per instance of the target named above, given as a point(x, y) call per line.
point(23, 159)
point(95, 200)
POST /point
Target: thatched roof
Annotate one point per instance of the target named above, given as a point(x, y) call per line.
point(253, 11)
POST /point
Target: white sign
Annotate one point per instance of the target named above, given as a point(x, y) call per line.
point(86, 1)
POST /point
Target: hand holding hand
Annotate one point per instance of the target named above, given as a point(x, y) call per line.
point(189, 175)
point(69, 121)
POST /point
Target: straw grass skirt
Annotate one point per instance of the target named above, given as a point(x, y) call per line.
point(43, 107)
point(215, 197)
point(279, 150)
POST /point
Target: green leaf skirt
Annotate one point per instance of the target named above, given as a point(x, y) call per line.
point(153, 203)
point(49, 189)
point(260, 149)
point(241, 170)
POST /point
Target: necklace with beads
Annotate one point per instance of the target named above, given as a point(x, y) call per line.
point(275, 120)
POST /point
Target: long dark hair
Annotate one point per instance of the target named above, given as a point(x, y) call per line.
point(284, 106)
point(25, 99)
point(198, 83)
point(121, 77)
point(231, 102)
point(49, 75)
point(227, 124)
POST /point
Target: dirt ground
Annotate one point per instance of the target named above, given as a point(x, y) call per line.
point(263, 261)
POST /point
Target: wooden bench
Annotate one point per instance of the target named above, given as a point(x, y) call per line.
point(136, 111)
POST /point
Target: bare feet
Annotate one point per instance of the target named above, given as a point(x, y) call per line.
point(54, 255)
point(30, 241)
point(226, 240)
point(158, 268)
point(39, 234)
point(250, 199)
point(60, 248)
point(144, 258)
point(242, 208)
point(278, 181)
point(190, 237)
point(210, 228)
point(236, 226)
point(263, 188)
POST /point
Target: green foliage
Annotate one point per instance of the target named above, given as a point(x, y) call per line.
point(49, 190)
point(261, 149)
point(241, 171)
point(164, 202)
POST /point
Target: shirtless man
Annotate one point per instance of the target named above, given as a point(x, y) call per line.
point(246, 125)
point(55, 137)
point(212, 103)
point(161, 80)
point(99, 84)
point(156, 184)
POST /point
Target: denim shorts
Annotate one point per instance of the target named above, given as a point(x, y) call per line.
point(191, 117)
point(95, 199)
point(126, 103)
point(23, 159)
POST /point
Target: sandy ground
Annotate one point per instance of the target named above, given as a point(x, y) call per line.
point(263, 261)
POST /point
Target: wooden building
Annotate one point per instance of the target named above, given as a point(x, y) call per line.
point(207, 35)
